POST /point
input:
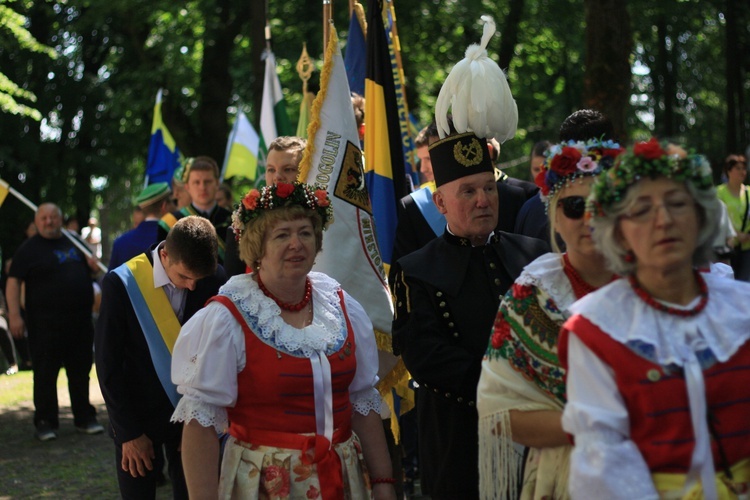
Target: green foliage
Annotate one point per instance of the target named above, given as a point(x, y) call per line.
point(95, 99)
point(12, 24)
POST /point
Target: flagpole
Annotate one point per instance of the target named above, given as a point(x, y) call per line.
point(65, 232)
point(327, 14)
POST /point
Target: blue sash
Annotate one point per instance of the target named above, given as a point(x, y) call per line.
point(423, 199)
point(155, 315)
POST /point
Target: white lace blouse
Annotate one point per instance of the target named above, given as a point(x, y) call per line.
point(210, 350)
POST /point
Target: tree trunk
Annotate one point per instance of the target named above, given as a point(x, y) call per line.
point(257, 45)
point(215, 89)
point(734, 83)
point(664, 83)
point(609, 39)
point(510, 34)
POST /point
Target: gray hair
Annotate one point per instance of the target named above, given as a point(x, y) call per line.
point(605, 228)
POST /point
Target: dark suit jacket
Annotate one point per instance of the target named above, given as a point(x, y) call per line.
point(134, 242)
point(529, 188)
point(532, 220)
point(136, 401)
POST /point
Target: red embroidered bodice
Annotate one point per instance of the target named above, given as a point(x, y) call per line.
point(657, 401)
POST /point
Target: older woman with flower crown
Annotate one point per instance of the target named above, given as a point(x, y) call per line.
point(521, 391)
point(658, 361)
point(284, 361)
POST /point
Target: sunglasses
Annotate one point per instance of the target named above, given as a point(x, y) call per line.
point(572, 206)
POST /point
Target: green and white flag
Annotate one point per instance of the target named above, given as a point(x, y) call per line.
point(274, 121)
point(241, 158)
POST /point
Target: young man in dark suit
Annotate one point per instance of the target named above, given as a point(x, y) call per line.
point(144, 303)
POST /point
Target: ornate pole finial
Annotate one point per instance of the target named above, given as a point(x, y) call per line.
point(304, 67)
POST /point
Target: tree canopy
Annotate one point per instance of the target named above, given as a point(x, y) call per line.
point(78, 78)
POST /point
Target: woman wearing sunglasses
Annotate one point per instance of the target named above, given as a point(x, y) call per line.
point(521, 391)
point(658, 363)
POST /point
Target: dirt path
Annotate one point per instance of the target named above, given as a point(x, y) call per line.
point(73, 466)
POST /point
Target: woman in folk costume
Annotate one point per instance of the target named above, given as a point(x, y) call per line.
point(286, 362)
point(521, 391)
point(658, 362)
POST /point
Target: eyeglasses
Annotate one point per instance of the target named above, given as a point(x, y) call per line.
point(573, 206)
point(646, 211)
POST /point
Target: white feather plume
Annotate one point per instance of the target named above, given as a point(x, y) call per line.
point(478, 93)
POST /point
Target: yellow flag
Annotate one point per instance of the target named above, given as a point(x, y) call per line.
point(3, 190)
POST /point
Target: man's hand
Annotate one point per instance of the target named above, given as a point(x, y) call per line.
point(137, 455)
point(93, 263)
point(16, 325)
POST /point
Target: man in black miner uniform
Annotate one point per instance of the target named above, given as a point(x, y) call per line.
point(174, 279)
point(446, 296)
point(419, 221)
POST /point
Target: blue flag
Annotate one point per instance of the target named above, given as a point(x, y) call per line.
point(356, 51)
point(163, 155)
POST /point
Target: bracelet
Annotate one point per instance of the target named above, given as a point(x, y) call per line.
point(382, 480)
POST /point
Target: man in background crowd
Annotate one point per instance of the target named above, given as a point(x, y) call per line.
point(59, 301)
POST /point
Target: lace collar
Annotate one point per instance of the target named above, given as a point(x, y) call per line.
point(326, 333)
point(716, 333)
point(546, 273)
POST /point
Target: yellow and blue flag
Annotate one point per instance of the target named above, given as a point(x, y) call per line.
point(384, 156)
point(163, 155)
point(355, 58)
point(404, 119)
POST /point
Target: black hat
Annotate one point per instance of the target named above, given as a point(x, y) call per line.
point(459, 155)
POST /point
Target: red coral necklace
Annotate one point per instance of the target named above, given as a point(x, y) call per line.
point(580, 286)
point(285, 305)
point(685, 313)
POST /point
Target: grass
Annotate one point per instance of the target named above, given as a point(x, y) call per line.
point(73, 466)
point(16, 389)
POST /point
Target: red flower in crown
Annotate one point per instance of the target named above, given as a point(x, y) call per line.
point(250, 201)
point(283, 189)
point(614, 153)
point(650, 150)
point(566, 162)
point(539, 180)
point(322, 197)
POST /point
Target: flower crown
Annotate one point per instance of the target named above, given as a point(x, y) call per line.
point(647, 160)
point(255, 202)
point(568, 161)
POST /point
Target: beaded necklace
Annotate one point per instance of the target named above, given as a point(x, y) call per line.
point(285, 305)
point(580, 286)
point(685, 313)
